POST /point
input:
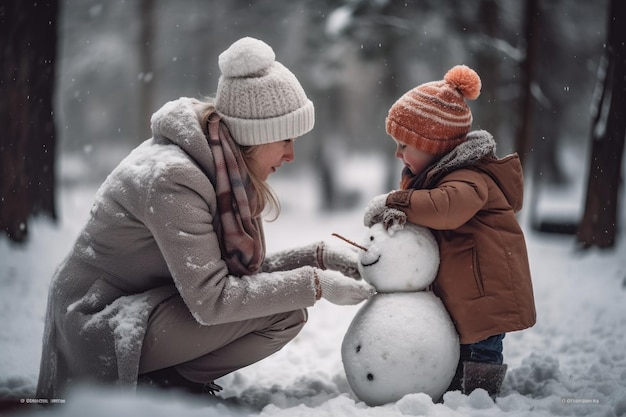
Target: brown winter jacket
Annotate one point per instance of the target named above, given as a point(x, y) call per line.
point(484, 275)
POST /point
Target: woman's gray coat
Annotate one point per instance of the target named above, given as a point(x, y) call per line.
point(150, 237)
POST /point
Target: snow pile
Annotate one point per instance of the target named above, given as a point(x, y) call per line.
point(572, 362)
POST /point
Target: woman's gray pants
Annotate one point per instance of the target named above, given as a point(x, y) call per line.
point(205, 353)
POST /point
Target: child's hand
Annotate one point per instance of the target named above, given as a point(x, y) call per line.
point(377, 211)
point(374, 210)
point(393, 220)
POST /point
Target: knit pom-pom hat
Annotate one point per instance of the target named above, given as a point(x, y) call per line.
point(434, 117)
point(259, 99)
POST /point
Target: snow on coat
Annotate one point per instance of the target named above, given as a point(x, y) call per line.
point(150, 237)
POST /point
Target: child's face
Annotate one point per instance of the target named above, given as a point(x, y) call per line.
point(413, 158)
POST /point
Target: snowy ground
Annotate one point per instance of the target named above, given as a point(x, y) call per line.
point(573, 362)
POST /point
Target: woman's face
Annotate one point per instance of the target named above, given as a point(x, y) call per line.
point(267, 158)
point(413, 158)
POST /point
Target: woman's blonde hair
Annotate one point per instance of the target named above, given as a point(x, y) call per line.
point(267, 200)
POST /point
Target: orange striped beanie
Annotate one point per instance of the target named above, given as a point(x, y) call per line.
point(434, 117)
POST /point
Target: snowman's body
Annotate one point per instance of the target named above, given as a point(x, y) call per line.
point(402, 340)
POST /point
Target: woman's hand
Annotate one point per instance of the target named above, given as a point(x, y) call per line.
point(319, 255)
point(342, 290)
point(342, 259)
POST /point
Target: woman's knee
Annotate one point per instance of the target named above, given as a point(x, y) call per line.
point(296, 319)
point(302, 315)
point(289, 324)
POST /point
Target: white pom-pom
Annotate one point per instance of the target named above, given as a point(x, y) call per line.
point(247, 56)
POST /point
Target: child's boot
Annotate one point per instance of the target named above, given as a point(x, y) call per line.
point(488, 376)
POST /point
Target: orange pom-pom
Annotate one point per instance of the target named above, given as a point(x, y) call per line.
point(466, 80)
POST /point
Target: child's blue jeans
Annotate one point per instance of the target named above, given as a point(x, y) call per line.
point(485, 351)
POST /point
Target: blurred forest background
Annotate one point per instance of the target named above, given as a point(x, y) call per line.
point(117, 61)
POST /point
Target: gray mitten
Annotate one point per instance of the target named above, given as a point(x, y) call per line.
point(342, 290)
point(393, 220)
point(319, 255)
point(291, 259)
point(374, 210)
point(342, 259)
point(385, 208)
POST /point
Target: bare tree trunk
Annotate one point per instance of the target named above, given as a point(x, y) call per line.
point(488, 66)
point(28, 41)
point(549, 109)
point(146, 66)
point(523, 139)
point(599, 224)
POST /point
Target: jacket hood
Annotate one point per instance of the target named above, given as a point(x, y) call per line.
point(479, 152)
point(507, 174)
point(478, 145)
point(179, 122)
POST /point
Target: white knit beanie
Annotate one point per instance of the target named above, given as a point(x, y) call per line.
point(260, 100)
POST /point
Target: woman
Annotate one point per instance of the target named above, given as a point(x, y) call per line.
point(168, 280)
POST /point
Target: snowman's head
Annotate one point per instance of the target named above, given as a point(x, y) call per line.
point(406, 260)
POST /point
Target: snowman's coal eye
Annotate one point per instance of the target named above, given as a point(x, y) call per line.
point(370, 377)
point(358, 348)
point(371, 238)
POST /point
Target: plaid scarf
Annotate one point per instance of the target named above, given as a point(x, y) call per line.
point(240, 237)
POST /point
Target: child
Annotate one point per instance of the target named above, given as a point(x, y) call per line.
point(453, 183)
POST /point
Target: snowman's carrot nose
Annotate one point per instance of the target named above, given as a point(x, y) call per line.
point(350, 242)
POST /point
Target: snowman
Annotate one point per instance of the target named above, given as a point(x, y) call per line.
point(402, 340)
